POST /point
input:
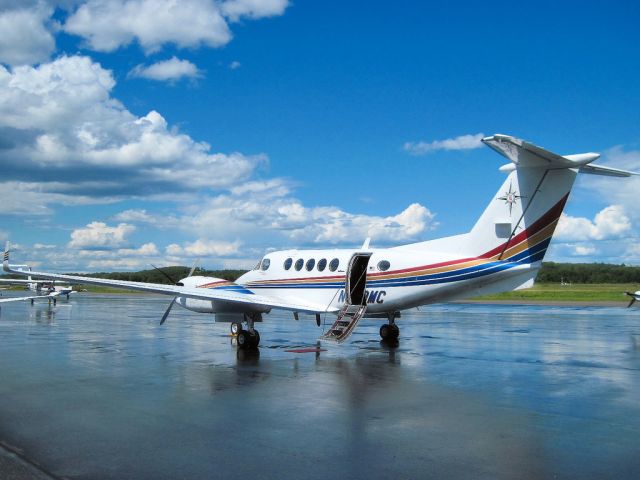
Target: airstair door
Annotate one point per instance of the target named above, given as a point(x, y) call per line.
point(357, 279)
point(355, 303)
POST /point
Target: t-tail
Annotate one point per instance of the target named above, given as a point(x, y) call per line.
point(519, 222)
point(512, 235)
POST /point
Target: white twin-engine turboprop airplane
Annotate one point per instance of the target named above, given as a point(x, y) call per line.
point(502, 252)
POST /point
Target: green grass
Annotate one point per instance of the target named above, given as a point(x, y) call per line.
point(554, 292)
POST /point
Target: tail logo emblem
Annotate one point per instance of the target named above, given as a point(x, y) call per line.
point(510, 198)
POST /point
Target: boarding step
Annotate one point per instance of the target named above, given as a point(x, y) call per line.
point(347, 319)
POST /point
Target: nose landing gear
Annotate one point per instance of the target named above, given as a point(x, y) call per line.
point(390, 331)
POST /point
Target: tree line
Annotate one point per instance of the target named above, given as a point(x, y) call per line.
point(552, 272)
point(167, 275)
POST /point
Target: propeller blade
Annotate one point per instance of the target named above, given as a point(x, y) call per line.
point(166, 314)
point(193, 269)
point(633, 299)
point(166, 275)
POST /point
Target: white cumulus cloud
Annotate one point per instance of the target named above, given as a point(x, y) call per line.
point(59, 121)
point(170, 70)
point(98, 235)
point(203, 248)
point(463, 142)
point(24, 36)
point(269, 213)
point(107, 25)
point(235, 9)
point(610, 222)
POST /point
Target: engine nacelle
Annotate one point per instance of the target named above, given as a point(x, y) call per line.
point(215, 306)
point(198, 281)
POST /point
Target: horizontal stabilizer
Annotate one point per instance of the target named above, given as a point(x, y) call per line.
point(607, 171)
point(525, 154)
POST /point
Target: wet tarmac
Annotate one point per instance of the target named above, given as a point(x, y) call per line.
point(96, 389)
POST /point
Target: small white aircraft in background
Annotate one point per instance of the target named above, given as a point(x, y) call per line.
point(47, 288)
point(502, 252)
point(634, 297)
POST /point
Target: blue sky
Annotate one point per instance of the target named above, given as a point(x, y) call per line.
point(148, 131)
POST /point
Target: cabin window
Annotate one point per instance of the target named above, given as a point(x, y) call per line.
point(310, 264)
point(384, 265)
point(335, 263)
point(265, 264)
point(287, 263)
point(299, 263)
point(322, 264)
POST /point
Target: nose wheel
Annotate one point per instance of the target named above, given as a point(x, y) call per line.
point(389, 331)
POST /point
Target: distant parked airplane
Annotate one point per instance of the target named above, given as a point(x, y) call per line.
point(41, 287)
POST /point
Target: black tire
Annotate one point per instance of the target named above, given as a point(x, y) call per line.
point(389, 332)
point(385, 331)
point(255, 339)
point(235, 328)
point(243, 339)
point(395, 332)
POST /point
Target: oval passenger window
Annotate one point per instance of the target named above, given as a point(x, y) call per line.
point(335, 263)
point(383, 265)
point(322, 264)
point(299, 263)
point(287, 263)
point(311, 263)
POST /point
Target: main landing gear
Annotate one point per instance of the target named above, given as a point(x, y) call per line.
point(390, 332)
point(249, 338)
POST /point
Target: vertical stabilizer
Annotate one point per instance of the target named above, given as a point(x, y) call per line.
point(522, 215)
point(520, 219)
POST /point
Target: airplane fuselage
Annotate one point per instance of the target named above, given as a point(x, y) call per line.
point(396, 278)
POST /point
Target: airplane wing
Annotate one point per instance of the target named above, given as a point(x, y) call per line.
point(249, 300)
point(21, 299)
point(19, 281)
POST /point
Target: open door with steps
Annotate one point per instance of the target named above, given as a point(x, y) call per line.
point(355, 304)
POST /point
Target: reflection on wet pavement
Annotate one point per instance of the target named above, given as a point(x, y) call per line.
point(97, 389)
